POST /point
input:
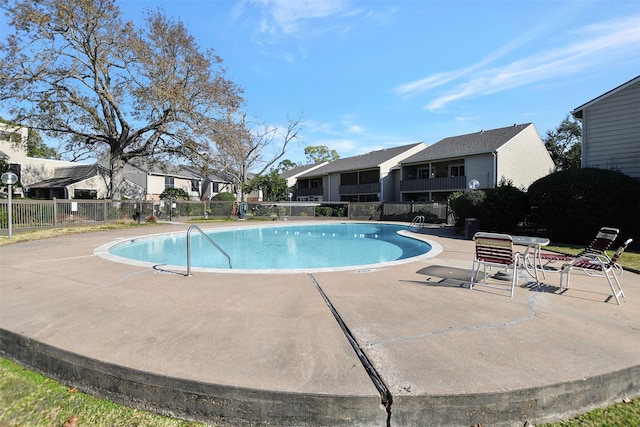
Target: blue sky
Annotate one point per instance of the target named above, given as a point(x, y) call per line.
point(375, 74)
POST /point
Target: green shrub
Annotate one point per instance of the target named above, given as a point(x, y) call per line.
point(175, 194)
point(190, 209)
point(574, 204)
point(220, 208)
point(224, 197)
point(467, 205)
point(324, 211)
point(327, 210)
point(505, 207)
point(498, 209)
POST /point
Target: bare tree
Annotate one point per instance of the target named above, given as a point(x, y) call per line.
point(77, 71)
point(241, 149)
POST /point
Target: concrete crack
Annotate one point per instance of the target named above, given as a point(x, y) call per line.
point(385, 395)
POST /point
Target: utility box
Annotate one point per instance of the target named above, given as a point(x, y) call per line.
point(471, 227)
point(140, 217)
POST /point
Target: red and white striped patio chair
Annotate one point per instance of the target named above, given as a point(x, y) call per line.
point(603, 241)
point(494, 250)
point(601, 266)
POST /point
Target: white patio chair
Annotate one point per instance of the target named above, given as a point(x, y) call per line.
point(494, 250)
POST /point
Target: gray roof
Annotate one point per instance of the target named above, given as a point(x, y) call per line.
point(485, 141)
point(298, 170)
point(192, 172)
point(70, 175)
point(167, 169)
point(364, 161)
point(156, 168)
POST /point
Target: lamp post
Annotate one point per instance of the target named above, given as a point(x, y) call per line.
point(10, 178)
point(290, 200)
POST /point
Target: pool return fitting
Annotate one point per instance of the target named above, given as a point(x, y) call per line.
point(195, 227)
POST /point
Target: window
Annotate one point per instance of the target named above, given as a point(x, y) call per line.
point(349, 178)
point(368, 198)
point(16, 168)
point(423, 173)
point(85, 194)
point(457, 170)
point(369, 177)
point(168, 182)
point(195, 185)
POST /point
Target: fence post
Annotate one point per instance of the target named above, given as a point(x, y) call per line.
point(55, 212)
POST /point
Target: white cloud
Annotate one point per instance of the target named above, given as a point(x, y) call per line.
point(350, 126)
point(430, 82)
point(355, 129)
point(314, 126)
point(341, 145)
point(289, 15)
point(292, 17)
point(303, 19)
point(603, 42)
point(345, 124)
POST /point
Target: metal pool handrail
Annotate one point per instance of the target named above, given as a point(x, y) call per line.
point(195, 227)
point(418, 221)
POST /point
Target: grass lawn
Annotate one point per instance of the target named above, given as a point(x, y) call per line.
point(628, 259)
point(45, 233)
point(30, 399)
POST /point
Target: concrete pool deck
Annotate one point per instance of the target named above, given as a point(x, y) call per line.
point(247, 349)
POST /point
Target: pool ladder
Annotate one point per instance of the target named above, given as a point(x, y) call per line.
point(417, 222)
point(195, 227)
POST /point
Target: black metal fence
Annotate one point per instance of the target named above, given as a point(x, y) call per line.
point(29, 214)
point(61, 213)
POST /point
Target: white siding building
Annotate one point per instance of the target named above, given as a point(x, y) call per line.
point(611, 129)
point(30, 170)
point(370, 177)
point(515, 153)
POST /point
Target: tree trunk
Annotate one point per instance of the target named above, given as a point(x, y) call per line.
point(117, 177)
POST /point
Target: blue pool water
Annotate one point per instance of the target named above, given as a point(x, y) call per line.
point(280, 247)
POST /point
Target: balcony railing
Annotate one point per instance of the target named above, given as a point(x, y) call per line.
point(451, 183)
point(360, 188)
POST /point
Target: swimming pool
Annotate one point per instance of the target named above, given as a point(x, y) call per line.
point(279, 248)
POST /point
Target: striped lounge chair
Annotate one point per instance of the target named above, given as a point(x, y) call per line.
point(603, 241)
point(599, 265)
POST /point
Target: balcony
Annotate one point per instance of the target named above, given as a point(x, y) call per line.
point(372, 188)
point(305, 192)
point(451, 183)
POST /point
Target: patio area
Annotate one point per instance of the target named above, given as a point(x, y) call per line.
point(277, 349)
